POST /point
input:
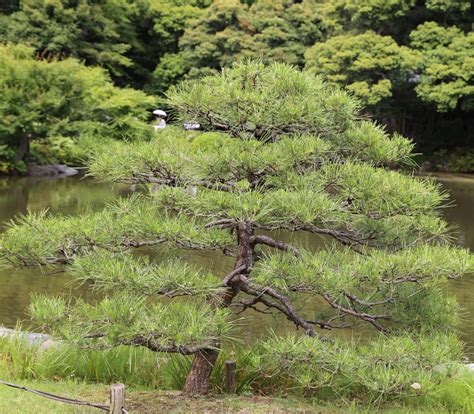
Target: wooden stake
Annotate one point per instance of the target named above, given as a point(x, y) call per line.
point(230, 377)
point(117, 398)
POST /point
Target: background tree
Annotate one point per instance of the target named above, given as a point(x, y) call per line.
point(153, 44)
point(98, 32)
point(282, 151)
point(159, 25)
point(370, 66)
point(447, 71)
point(407, 78)
point(44, 101)
point(229, 30)
point(126, 38)
point(9, 6)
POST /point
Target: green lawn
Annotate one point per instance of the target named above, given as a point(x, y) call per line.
point(18, 402)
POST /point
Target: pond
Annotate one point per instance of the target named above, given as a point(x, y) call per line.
point(74, 195)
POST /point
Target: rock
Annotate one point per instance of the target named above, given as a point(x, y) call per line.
point(426, 166)
point(48, 344)
point(30, 337)
point(191, 126)
point(57, 170)
point(470, 367)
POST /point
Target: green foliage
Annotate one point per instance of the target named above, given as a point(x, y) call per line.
point(379, 366)
point(127, 319)
point(459, 160)
point(387, 53)
point(126, 38)
point(273, 101)
point(281, 150)
point(417, 305)
point(97, 32)
point(44, 239)
point(229, 30)
point(9, 6)
point(447, 72)
point(138, 276)
point(369, 65)
point(383, 369)
point(55, 102)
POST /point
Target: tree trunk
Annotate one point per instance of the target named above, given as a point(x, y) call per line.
point(23, 147)
point(199, 377)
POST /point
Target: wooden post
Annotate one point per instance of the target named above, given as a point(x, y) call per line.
point(230, 377)
point(117, 398)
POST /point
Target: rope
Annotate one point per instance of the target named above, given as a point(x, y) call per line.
point(58, 398)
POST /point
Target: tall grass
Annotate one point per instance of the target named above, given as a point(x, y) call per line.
point(140, 368)
point(137, 367)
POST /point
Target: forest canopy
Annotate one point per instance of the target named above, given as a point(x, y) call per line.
point(410, 63)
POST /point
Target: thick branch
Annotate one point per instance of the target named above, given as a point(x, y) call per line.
point(176, 349)
point(285, 306)
point(228, 279)
point(277, 244)
point(150, 343)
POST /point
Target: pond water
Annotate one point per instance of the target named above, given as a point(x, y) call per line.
point(74, 195)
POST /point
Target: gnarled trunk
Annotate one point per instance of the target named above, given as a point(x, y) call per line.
point(199, 377)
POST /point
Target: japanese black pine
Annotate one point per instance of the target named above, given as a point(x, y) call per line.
point(280, 152)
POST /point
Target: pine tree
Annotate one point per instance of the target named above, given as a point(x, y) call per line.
point(280, 150)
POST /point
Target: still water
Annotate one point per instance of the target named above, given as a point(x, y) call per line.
point(74, 195)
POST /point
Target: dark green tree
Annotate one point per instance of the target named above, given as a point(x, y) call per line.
point(98, 32)
point(9, 6)
point(368, 65)
point(447, 68)
point(229, 30)
point(281, 151)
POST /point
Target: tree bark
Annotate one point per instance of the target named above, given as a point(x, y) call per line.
point(199, 377)
point(23, 147)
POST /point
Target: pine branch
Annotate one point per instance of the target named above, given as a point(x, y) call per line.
point(285, 306)
point(150, 343)
point(228, 279)
point(221, 224)
point(277, 244)
point(361, 315)
point(355, 299)
point(175, 181)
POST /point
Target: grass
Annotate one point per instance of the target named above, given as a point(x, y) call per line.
point(15, 401)
point(152, 381)
point(140, 401)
